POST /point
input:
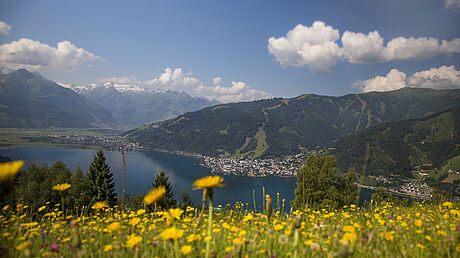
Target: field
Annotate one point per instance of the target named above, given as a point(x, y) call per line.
point(421, 230)
point(22, 136)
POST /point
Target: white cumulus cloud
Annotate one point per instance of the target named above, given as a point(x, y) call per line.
point(173, 79)
point(452, 4)
point(239, 91)
point(177, 80)
point(360, 48)
point(316, 46)
point(121, 80)
point(4, 28)
point(34, 55)
point(444, 77)
point(216, 80)
point(313, 46)
point(392, 81)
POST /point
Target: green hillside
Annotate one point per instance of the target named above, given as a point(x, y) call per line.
point(276, 127)
point(402, 147)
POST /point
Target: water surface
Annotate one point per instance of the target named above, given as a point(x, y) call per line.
point(143, 166)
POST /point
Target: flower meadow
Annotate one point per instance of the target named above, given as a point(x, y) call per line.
point(231, 230)
point(236, 231)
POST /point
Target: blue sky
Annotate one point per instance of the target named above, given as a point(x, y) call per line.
point(187, 45)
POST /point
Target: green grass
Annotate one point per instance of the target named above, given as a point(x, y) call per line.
point(15, 136)
point(262, 145)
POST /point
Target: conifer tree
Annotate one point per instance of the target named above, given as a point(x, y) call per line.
point(100, 181)
point(79, 190)
point(186, 200)
point(168, 199)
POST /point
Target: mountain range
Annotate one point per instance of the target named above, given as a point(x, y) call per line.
point(28, 100)
point(135, 106)
point(281, 126)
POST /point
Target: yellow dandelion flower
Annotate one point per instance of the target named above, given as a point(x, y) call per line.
point(418, 223)
point(278, 227)
point(350, 236)
point(389, 236)
point(248, 217)
point(41, 208)
point(9, 170)
point(108, 248)
point(192, 238)
point(208, 182)
point(442, 233)
point(308, 242)
point(133, 240)
point(24, 245)
point(114, 226)
point(172, 233)
point(61, 187)
point(172, 214)
point(134, 221)
point(140, 212)
point(229, 249)
point(185, 249)
point(99, 206)
point(237, 241)
point(348, 228)
point(448, 204)
point(154, 195)
point(420, 246)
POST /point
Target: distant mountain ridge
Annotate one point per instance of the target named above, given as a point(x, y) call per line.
point(275, 127)
point(28, 100)
point(134, 106)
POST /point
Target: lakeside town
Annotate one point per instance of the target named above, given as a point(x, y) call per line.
point(110, 142)
point(285, 167)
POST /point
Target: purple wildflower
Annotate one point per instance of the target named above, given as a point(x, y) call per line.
point(54, 248)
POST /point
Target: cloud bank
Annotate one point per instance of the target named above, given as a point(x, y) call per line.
point(4, 28)
point(178, 80)
point(452, 4)
point(34, 55)
point(444, 77)
point(316, 46)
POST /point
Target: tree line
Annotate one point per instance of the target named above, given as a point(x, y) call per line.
point(33, 187)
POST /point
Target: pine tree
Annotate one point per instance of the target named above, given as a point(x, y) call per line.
point(79, 190)
point(186, 200)
point(101, 185)
point(168, 199)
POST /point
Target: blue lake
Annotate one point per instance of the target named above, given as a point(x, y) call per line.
point(142, 167)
